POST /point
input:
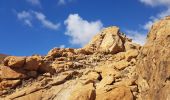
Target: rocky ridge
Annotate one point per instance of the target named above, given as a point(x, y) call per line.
point(110, 67)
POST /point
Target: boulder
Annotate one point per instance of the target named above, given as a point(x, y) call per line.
point(133, 53)
point(107, 71)
point(110, 40)
point(85, 92)
point(14, 62)
point(33, 63)
point(120, 65)
point(118, 93)
point(108, 80)
point(8, 73)
point(91, 77)
point(130, 45)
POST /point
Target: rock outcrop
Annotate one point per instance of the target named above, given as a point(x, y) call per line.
point(110, 67)
point(154, 63)
point(110, 40)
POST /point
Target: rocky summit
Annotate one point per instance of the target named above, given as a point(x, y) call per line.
point(110, 67)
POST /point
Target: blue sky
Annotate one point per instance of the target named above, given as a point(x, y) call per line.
point(35, 26)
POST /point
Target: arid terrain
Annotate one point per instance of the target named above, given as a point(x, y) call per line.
point(109, 67)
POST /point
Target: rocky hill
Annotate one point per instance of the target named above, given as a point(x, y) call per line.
point(110, 67)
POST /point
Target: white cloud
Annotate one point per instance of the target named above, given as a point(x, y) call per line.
point(62, 46)
point(61, 2)
point(45, 22)
point(34, 2)
point(136, 36)
point(156, 2)
point(159, 16)
point(81, 31)
point(28, 16)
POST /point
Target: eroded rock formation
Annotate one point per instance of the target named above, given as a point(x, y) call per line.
point(110, 67)
point(154, 63)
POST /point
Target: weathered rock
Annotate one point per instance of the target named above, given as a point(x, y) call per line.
point(130, 45)
point(107, 71)
point(14, 62)
point(112, 43)
point(8, 84)
point(46, 67)
point(131, 54)
point(85, 92)
point(153, 65)
point(108, 80)
point(33, 63)
point(91, 77)
point(8, 73)
point(119, 56)
point(108, 41)
point(118, 93)
point(120, 65)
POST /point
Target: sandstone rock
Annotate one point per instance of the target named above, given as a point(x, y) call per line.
point(14, 62)
point(131, 45)
point(46, 67)
point(85, 92)
point(119, 56)
point(91, 77)
point(153, 65)
point(120, 65)
point(131, 54)
point(108, 41)
point(125, 82)
point(33, 63)
point(107, 71)
point(112, 42)
point(8, 73)
point(118, 93)
point(53, 52)
point(32, 96)
point(108, 80)
point(8, 84)
point(83, 51)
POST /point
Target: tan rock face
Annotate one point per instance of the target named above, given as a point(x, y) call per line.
point(112, 42)
point(14, 62)
point(8, 73)
point(118, 93)
point(109, 40)
point(9, 84)
point(33, 63)
point(154, 63)
point(85, 92)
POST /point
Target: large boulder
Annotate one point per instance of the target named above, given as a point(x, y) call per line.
point(86, 92)
point(117, 93)
point(14, 62)
point(33, 63)
point(153, 66)
point(8, 73)
point(110, 40)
